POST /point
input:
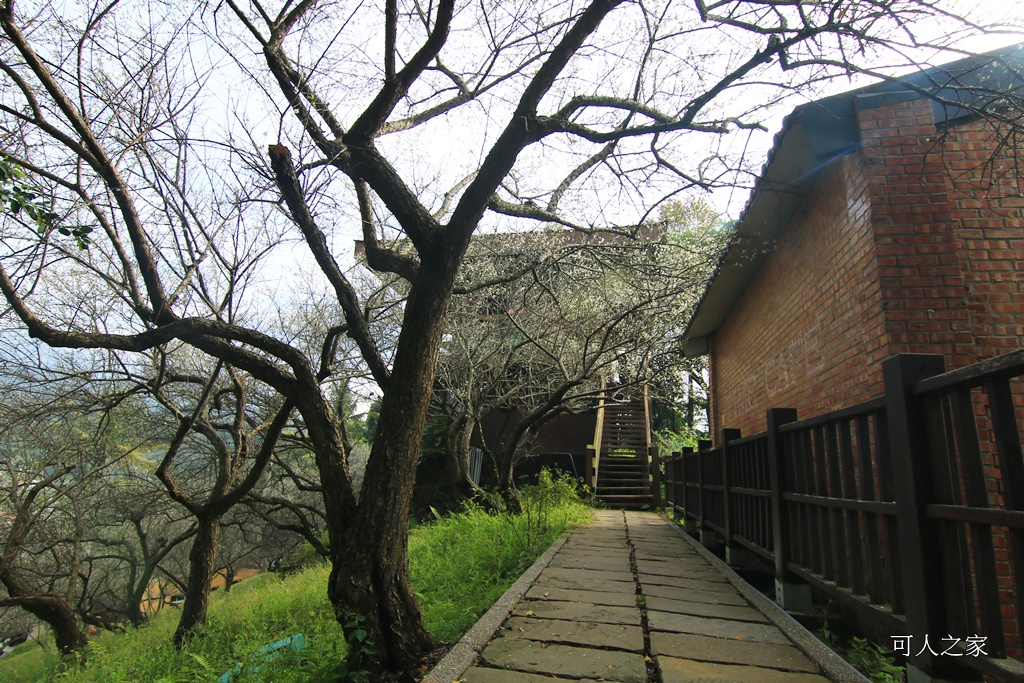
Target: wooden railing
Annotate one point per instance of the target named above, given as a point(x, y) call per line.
point(908, 509)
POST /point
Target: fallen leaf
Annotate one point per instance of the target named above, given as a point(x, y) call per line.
point(529, 612)
point(547, 594)
point(543, 645)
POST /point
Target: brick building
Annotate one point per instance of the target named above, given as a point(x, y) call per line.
point(883, 222)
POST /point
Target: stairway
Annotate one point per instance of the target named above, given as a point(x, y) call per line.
point(623, 476)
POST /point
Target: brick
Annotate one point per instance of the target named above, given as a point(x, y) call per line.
point(909, 245)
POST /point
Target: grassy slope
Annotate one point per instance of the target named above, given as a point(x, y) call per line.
point(460, 565)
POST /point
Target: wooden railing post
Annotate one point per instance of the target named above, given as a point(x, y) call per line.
point(689, 523)
point(789, 593)
point(919, 538)
point(668, 479)
point(702, 446)
point(727, 436)
point(675, 478)
point(655, 464)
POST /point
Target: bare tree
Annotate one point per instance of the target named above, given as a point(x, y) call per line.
point(216, 456)
point(151, 223)
point(47, 461)
point(135, 526)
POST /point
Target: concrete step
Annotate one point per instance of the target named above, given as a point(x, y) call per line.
point(625, 502)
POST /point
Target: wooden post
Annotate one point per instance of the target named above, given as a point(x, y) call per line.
point(920, 554)
point(594, 461)
point(588, 468)
point(689, 523)
point(727, 436)
point(675, 478)
point(789, 593)
point(702, 446)
point(655, 464)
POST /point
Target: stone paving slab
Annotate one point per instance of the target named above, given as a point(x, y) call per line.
point(610, 550)
point(658, 550)
point(704, 609)
point(481, 674)
point(569, 583)
point(672, 569)
point(717, 597)
point(610, 561)
point(597, 553)
point(603, 522)
point(658, 532)
point(618, 599)
point(608, 636)
point(592, 563)
point(678, 564)
point(578, 611)
point(658, 553)
point(706, 649)
point(685, 582)
point(688, 563)
point(587, 575)
point(565, 660)
point(716, 628)
point(596, 538)
point(688, 671)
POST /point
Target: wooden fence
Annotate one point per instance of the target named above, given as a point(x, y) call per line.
point(907, 509)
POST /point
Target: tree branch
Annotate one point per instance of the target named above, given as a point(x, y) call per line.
point(284, 173)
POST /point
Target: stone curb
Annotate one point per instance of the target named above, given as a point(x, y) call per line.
point(468, 648)
point(831, 665)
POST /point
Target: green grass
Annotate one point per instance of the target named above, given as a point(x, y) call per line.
point(459, 566)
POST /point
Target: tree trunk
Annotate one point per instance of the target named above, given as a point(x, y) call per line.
point(200, 573)
point(369, 583)
point(61, 618)
point(134, 610)
point(140, 592)
point(505, 461)
point(457, 450)
point(52, 609)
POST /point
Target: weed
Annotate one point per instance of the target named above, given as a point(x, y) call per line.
point(353, 669)
point(828, 636)
point(872, 660)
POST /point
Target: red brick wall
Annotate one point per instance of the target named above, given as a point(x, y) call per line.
point(932, 225)
point(802, 322)
point(912, 215)
point(988, 216)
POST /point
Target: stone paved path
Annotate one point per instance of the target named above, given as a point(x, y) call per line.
point(590, 616)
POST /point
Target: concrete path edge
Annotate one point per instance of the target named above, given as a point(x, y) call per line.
point(468, 648)
point(834, 667)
